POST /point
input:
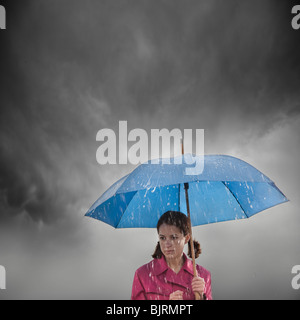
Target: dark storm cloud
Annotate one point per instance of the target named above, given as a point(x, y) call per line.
point(70, 68)
point(43, 127)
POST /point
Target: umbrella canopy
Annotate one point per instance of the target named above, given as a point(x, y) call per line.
point(227, 189)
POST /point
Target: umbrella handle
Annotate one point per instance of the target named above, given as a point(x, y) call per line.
point(198, 296)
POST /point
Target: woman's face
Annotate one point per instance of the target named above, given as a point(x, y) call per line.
point(172, 241)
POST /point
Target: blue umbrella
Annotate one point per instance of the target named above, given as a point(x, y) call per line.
point(227, 189)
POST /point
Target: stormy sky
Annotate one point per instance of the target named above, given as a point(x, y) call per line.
point(69, 68)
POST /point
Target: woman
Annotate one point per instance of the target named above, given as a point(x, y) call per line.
point(170, 276)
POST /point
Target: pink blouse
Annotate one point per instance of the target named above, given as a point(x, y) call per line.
point(156, 281)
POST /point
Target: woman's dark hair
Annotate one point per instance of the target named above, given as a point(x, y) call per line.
point(179, 220)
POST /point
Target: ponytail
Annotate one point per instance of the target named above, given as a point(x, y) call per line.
point(197, 249)
point(157, 252)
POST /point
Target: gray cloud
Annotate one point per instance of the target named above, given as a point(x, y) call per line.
point(71, 68)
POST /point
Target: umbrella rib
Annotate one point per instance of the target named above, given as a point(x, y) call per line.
point(235, 199)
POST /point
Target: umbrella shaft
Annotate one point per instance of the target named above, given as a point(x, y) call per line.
point(186, 187)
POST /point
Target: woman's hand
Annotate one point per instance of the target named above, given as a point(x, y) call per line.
point(198, 285)
point(177, 295)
